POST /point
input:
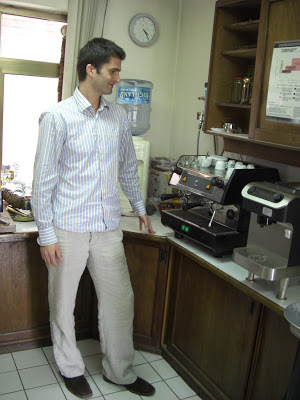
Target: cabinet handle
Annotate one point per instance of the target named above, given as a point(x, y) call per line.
point(252, 307)
point(163, 256)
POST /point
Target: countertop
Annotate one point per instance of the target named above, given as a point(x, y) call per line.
point(224, 264)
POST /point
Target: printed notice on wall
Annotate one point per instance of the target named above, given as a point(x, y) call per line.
point(283, 102)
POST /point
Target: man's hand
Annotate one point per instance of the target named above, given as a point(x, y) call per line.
point(51, 253)
point(144, 219)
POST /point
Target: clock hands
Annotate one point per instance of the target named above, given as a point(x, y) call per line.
point(146, 33)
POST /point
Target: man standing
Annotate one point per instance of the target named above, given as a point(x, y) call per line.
point(84, 149)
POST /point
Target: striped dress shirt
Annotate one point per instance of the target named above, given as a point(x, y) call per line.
point(81, 156)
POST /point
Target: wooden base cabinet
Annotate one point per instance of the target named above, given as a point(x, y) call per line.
point(225, 343)
point(273, 358)
point(24, 310)
point(210, 330)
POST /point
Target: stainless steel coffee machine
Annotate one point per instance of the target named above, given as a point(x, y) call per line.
point(272, 251)
point(211, 214)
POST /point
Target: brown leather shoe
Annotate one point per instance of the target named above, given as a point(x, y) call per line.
point(140, 386)
point(78, 386)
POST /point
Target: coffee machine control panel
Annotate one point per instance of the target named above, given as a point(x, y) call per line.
point(264, 194)
point(269, 194)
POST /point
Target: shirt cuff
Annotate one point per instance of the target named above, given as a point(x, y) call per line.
point(139, 208)
point(46, 236)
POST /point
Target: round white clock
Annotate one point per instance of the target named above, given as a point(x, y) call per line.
point(143, 30)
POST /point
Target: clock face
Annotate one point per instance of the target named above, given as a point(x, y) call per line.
point(143, 30)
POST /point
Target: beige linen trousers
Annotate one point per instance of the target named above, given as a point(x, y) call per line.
point(103, 254)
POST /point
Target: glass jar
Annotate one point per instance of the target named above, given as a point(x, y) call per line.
point(237, 87)
point(246, 91)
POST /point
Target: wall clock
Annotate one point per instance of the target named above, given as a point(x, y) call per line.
point(143, 30)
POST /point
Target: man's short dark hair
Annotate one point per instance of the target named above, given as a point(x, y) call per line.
point(97, 52)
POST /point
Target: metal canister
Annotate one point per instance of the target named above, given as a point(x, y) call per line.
point(237, 87)
point(245, 97)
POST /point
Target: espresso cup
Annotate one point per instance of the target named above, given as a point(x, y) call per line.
point(220, 165)
point(206, 162)
point(238, 164)
point(230, 164)
point(229, 172)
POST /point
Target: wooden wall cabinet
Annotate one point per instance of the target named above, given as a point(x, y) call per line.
point(243, 39)
point(222, 341)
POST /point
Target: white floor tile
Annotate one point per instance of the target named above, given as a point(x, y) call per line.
point(181, 389)
point(10, 382)
point(70, 396)
point(49, 392)
point(7, 363)
point(14, 396)
point(150, 356)
point(146, 372)
point(138, 358)
point(56, 372)
point(93, 364)
point(105, 387)
point(164, 369)
point(29, 358)
point(122, 396)
point(48, 351)
point(37, 376)
point(162, 392)
point(89, 347)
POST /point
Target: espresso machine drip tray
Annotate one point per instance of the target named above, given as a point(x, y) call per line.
point(263, 263)
point(220, 238)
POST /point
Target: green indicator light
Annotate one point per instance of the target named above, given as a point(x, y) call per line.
point(183, 227)
point(186, 229)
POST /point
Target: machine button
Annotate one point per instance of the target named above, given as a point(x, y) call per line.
point(208, 187)
point(217, 182)
point(184, 178)
point(230, 214)
point(252, 189)
point(196, 183)
point(277, 197)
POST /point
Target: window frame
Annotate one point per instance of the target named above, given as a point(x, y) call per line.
point(25, 67)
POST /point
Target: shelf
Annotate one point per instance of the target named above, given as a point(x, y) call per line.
point(247, 26)
point(241, 53)
point(233, 105)
point(244, 138)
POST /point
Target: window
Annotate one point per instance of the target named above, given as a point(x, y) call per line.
point(30, 50)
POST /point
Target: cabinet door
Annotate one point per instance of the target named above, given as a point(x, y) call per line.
point(210, 330)
point(147, 263)
point(279, 22)
point(275, 355)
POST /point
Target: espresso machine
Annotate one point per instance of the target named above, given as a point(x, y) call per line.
point(211, 214)
point(272, 251)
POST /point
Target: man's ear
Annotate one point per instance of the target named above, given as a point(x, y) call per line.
point(90, 70)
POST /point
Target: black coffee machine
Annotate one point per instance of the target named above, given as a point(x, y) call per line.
point(211, 214)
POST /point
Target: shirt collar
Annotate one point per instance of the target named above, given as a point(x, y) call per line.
point(83, 103)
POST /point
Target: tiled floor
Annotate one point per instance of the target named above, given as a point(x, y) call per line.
point(33, 375)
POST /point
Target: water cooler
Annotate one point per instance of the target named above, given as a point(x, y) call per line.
point(135, 97)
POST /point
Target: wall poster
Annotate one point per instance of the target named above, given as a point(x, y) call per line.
point(283, 101)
